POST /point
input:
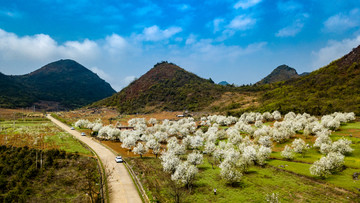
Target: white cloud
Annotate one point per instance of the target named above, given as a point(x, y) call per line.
point(154, 33)
point(128, 79)
point(191, 39)
point(242, 22)
point(289, 6)
point(245, 4)
point(290, 31)
point(115, 44)
point(34, 47)
point(115, 56)
point(43, 47)
point(10, 13)
point(206, 50)
point(27, 51)
point(83, 50)
point(217, 24)
point(101, 73)
point(334, 50)
point(183, 7)
point(343, 21)
point(295, 27)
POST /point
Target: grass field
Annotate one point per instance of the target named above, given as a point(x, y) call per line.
point(38, 134)
point(255, 185)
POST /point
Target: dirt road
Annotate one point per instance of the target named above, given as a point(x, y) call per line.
point(121, 186)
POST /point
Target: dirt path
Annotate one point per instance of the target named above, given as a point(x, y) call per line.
point(121, 186)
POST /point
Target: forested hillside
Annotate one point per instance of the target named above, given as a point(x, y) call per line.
point(65, 82)
point(165, 87)
point(335, 87)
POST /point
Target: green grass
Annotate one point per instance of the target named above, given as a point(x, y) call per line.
point(354, 125)
point(26, 132)
point(68, 143)
point(352, 160)
point(254, 186)
point(341, 179)
point(262, 180)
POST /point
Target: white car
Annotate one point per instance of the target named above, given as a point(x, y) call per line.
point(119, 159)
point(72, 128)
point(83, 134)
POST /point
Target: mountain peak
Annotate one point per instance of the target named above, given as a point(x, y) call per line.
point(223, 83)
point(163, 70)
point(281, 73)
point(59, 66)
point(65, 82)
point(164, 87)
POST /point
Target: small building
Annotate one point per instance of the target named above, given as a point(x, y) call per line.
point(185, 114)
point(125, 128)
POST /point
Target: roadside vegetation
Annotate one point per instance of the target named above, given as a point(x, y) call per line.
point(32, 175)
point(41, 163)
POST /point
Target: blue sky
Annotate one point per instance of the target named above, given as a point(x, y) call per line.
point(240, 41)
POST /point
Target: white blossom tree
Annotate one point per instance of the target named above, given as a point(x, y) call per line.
point(265, 141)
point(276, 115)
point(234, 136)
point(262, 154)
point(152, 121)
point(82, 123)
point(97, 127)
point(140, 149)
point(322, 139)
point(229, 172)
point(247, 158)
point(161, 136)
point(128, 142)
point(258, 123)
point(221, 134)
point(342, 146)
point(327, 165)
point(195, 158)
point(288, 152)
point(155, 146)
point(299, 146)
point(210, 147)
point(185, 174)
point(196, 142)
point(325, 148)
point(169, 161)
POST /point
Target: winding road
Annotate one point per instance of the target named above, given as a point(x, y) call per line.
point(121, 187)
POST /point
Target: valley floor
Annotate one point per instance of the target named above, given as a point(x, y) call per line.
point(287, 180)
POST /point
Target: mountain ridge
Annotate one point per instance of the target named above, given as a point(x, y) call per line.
point(335, 87)
point(164, 87)
point(64, 81)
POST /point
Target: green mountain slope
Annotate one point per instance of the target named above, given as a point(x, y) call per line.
point(14, 93)
point(335, 87)
point(64, 81)
point(165, 87)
